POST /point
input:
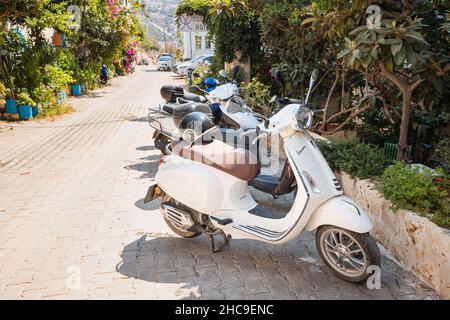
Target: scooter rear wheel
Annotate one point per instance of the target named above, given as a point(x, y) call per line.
point(181, 232)
point(347, 253)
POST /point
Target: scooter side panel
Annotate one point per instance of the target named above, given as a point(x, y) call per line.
point(309, 162)
point(193, 184)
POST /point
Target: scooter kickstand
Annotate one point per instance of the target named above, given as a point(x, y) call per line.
point(226, 240)
point(225, 245)
point(213, 247)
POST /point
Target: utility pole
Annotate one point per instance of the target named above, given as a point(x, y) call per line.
point(165, 41)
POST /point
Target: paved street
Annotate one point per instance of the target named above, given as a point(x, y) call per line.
point(73, 223)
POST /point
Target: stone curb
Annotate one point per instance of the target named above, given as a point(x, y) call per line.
point(419, 244)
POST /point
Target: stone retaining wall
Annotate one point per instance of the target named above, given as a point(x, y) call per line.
point(419, 244)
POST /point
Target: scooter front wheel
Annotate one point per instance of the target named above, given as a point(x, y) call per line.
point(347, 253)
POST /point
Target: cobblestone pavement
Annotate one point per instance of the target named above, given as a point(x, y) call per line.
point(73, 223)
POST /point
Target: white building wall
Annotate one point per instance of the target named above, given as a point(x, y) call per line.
point(190, 49)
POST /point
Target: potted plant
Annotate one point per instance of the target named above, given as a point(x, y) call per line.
point(25, 105)
point(10, 103)
point(2, 93)
point(76, 90)
point(43, 95)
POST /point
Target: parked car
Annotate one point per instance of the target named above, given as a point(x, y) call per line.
point(143, 62)
point(182, 68)
point(164, 55)
point(205, 61)
point(165, 63)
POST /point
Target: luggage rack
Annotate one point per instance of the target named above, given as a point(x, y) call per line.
point(154, 121)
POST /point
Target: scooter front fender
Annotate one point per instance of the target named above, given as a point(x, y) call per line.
point(341, 212)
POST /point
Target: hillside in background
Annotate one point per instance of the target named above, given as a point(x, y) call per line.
point(162, 19)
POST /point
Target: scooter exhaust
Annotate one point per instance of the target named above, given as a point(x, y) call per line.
point(177, 216)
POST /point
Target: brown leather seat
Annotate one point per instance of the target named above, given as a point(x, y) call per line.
point(240, 163)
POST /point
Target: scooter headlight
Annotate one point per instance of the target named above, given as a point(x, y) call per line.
point(304, 118)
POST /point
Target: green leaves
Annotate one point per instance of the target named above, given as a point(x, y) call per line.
point(360, 160)
point(56, 78)
point(396, 47)
point(23, 98)
point(400, 57)
point(396, 42)
point(411, 55)
point(257, 95)
point(415, 36)
point(413, 189)
point(311, 20)
point(343, 53)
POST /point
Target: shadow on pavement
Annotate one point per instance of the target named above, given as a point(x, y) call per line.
point(154, 205)
point(170, 260)
point(189, 263)
point(149, 166)
point(146, 148)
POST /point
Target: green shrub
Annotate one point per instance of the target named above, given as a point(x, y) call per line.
point(53, 110)
point(333, 151)
point(360, 160)
point(413, 189)
point(44, 96)
point(443, 154)
point(364, 161)
point(57, 79)
point(48, 103)
point(257, 95)
point(2, 93)
point(88, 77)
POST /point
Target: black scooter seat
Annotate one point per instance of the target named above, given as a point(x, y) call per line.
point(170, 107)
point(180, 110)
point(194, 97)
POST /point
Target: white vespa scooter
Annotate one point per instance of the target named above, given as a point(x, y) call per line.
point(201, 193)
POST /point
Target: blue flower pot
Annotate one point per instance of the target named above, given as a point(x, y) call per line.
point(25, 112)
point(11, 106)
point(35, 111)
point(62, 96)
point(76, 90)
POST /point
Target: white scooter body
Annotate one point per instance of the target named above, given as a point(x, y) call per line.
point(245, 118)
point(319, 200)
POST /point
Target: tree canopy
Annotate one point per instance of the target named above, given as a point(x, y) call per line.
point(391, 73)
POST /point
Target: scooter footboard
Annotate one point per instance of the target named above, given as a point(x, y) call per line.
point(341, 212)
